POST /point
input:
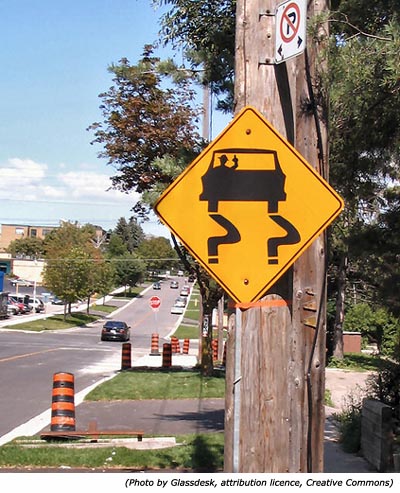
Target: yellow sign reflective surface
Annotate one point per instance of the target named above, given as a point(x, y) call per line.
point(248, 206)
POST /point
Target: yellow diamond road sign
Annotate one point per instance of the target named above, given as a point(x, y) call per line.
point(248, 206)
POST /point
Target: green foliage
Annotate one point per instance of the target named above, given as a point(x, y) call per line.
point(363, 86)
point(356, 362)
point(158, 253)
point(376, 325)
point(74, 268)
point(349, 421)
point(27, 247)
point(116, 247)
point(385, 386)
point(130, 233)
point(207, 30)
point(103, 277)
point(144, 121)
point(129, 270)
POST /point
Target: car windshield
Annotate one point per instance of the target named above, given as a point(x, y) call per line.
point(114, 325)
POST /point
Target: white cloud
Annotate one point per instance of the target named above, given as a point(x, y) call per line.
point(27, 180)
point(88, 185)
point(21, 175)
point(35, 193)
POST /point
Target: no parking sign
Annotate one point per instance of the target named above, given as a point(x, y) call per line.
point(290, 38)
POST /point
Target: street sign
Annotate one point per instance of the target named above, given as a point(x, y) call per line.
point(290, 33)
point(155, 302)
point(248, 206)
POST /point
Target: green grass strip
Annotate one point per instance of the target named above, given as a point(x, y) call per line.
point(138, 385)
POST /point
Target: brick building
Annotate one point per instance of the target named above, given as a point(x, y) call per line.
point(11, 232)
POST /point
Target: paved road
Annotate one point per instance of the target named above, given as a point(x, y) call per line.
point(28, 360)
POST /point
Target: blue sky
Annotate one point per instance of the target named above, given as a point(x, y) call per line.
point(54, 57)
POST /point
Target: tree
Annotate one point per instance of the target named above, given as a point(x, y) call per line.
point(143, 122)
point(27, 247)
point(158, 253)
point(364, 153)
point(68, 272)
point(130, 233)
point(207, 30)
point(103, 278)
point(116, 246)
point(69, 277)
point(377, 246)
point(129, 270)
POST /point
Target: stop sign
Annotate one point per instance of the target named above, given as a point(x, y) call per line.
point(155, 302)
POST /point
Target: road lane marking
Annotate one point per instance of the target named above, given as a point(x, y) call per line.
point(19, 356)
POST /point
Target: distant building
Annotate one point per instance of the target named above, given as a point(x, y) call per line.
point(27, 268)
point(11, 232)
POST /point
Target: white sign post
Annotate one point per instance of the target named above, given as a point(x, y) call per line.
point(290, 37)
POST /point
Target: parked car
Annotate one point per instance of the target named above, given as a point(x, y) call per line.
point(115, 330)
point(13, 308)
point(181, 301)
point(22, 304)
point(174, 285)
point(177, 309)
point(21, 282)
point(36, 304)
point(57, 301)
point(185, 291)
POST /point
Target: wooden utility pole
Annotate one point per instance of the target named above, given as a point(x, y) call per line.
point(276, 351)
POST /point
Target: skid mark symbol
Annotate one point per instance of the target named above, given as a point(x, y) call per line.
point(232, 236)
point(290, 238)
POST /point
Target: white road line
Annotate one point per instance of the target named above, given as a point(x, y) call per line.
point(34, 425)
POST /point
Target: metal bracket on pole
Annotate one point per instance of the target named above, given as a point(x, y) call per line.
point(266, 13)
point(310, 306)
point(267, 61)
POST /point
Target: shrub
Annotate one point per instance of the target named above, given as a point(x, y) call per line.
point(385, 386)
point(349, 424)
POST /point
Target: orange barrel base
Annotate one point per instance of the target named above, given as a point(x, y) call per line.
point(167, 355)
point(63, 402)
point(126, 356)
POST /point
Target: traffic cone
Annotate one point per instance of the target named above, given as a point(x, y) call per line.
point(126, 356)
point(167, 355)
point(63, 403)
point(214, 346)
point(175, 345)
point(154, 345)
point(185, 349)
